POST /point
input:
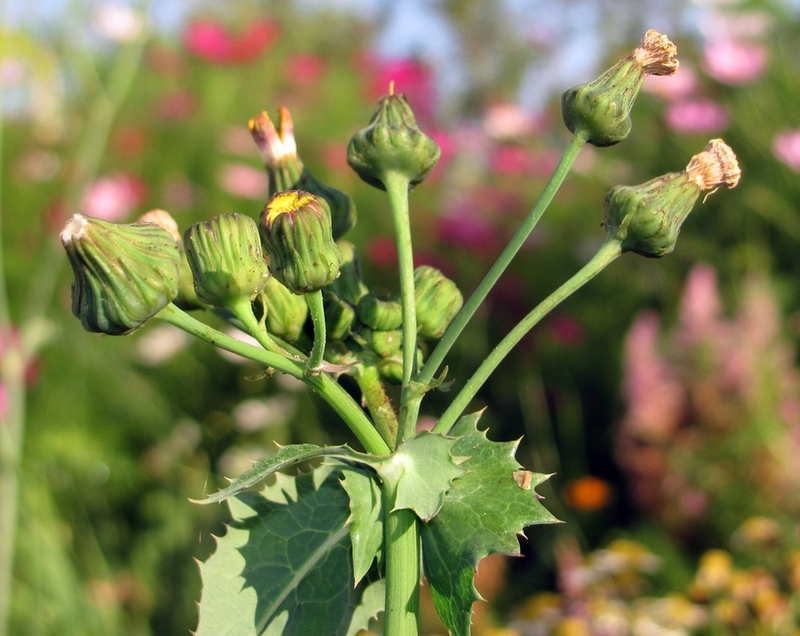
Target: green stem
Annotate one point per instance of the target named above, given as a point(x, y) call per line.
point(450, 336)
point(378, 403)
point(243, 310)
point(402, 573)
point(397, 189)
point(317, 310)
point(331, 392)
point(606, 254)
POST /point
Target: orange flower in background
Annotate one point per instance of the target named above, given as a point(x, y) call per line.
point(587, 494)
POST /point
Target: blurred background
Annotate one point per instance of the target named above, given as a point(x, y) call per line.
point(664, 397)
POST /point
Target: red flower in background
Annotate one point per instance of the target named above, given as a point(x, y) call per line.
point(213, 42)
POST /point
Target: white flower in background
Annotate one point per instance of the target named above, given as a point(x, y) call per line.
point(237, 460)
point(508, 121)
point(253, 415)
point(117, 22)
point(159, 344)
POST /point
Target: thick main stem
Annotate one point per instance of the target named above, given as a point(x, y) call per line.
point(402, 548)
point(335, 395)
point(606, 254)
point(397, 189)
point(450, 336)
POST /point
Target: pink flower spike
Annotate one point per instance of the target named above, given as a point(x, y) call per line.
point(734, 62)
point(786, 147)
point(697, 116)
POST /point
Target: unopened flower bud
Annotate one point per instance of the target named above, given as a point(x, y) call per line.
point(286, 171)
point(647, 218)
point(390, 369)
point(386, 343)
point(339, 316)
point(226, 258)
point(438, 301)
point(601, 109)
point(296, 232)
point(380, 313)
point(392, 144)
point(349, 286)
point(124, 274)
point(286, 311)
point(187, 296)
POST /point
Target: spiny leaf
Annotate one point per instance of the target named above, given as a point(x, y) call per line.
point(283, 458)
point(418, 474)
point(284, 566)
point(366, 517)
point(482, 513)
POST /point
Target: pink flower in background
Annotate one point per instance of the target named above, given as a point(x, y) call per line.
point(786, 147)
point(679, 86)
point(697, 116)
point(566, 331)
point(305, 68)
point(244, 181)
point(469, 229)
point(211, 41)
point(114, 197)
point(701, 306)
point(734, 62)
point(654, 396)
point(509, 121)
point(517, 161)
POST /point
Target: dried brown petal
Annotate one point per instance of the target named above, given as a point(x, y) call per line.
point(656, 54)
point(715, 167)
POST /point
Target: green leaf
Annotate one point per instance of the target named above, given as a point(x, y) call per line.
point(284, 567)
point(366, 517)
point(418, 474)
point(483, 513)
point(283, 458)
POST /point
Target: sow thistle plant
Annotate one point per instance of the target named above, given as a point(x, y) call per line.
point(327, 550)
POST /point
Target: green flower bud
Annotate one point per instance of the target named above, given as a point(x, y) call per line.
point(286, 171)
point(286, 312)
point(187, 296)
point(226, 258)
point(349, 286)
point(647, 218)
point(392, 144)
point(438, 301)
point(296, 232)
point(380, 313)
point(339, 316)
point(386, 343)
point(124, 274)
point(391, 369)
point(601, 109)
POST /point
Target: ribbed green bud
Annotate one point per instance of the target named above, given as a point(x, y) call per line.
point(392, 143)
point(286, 171)
point(286, 312)
point(187, 296)
point(601, 109)
point(349, 286)
point(380, 313)
point(386, 343)
point(296, 233)
point(124, 274)
point(226, 258)
point(647, 218)
point(339, 316)
point(391, 369)
point(438, 301)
